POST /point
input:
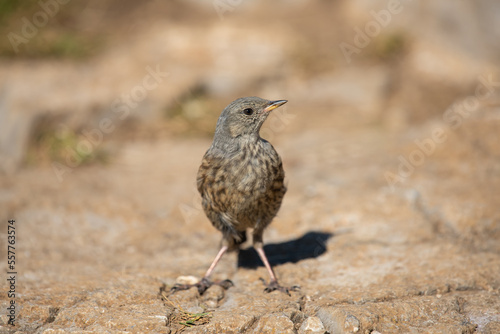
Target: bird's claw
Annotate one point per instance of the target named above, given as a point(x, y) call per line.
point(202, 285)
point(274, 285)
point(225, 284)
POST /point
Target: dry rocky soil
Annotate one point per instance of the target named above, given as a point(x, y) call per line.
point(390, 223)
point(96, 250)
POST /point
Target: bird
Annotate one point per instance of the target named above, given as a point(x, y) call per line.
point(241, 182)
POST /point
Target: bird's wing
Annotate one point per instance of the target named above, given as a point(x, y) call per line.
point(207, 171)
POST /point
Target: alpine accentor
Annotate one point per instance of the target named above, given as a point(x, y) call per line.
point(241, 181)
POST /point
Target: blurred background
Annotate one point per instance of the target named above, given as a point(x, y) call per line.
point(389, 138)
point(64, 64)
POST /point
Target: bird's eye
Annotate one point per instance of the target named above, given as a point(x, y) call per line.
point(248, 111)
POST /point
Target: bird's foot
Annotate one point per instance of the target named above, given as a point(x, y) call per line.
point(274, 285)
point(202, 285)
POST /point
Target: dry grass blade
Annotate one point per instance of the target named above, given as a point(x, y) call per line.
point(185, 318)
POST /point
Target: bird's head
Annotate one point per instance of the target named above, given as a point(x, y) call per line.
point(244, 117)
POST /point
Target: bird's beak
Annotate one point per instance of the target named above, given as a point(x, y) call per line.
point(274, 104)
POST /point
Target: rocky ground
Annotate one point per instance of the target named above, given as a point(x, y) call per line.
point(391, 221)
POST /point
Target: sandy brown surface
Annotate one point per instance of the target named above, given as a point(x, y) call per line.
point(95, 250)
point(391, 219)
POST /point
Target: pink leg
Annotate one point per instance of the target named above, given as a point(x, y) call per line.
point(273, 284)
point(216, 260)
point(263, 257)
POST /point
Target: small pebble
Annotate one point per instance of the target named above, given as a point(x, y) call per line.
point(187, 280)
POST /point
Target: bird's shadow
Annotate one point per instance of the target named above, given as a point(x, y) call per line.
point(310, 245)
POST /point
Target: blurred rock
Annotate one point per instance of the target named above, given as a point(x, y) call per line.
point(274, 323)
point(336, 320)
point(312, 325)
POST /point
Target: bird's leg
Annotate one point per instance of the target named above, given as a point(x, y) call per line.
point(263, 257)
point(215, 261)
point(273, 284)
point(205, 282)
